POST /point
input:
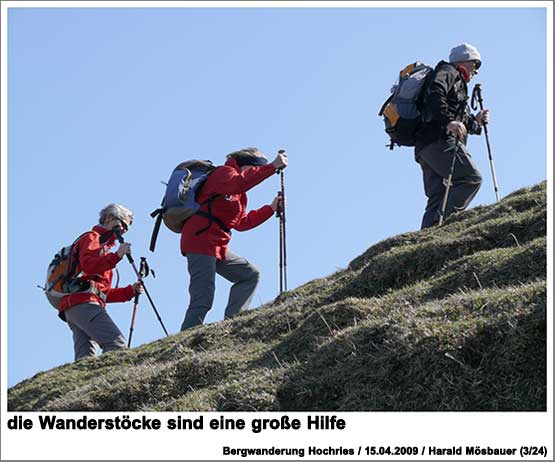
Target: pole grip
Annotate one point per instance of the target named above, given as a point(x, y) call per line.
point(279, 207)
point(478, 92)
point(477, 95)
point(117, 232)
point(279, 170)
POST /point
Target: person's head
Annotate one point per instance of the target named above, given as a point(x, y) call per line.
point(116, 215)
point(467, 56)
point(248, 158)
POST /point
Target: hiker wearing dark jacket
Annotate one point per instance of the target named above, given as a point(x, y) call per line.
point(446, 123)
point(205, 242)
point(85, 311)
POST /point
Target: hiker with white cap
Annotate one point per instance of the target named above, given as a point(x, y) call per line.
point(440, 147)
point(84, 306)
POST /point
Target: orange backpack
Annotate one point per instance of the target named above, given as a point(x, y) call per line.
point(62, 277)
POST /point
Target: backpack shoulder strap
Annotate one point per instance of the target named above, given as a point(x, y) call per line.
point(72, 263)
point(158, 213)
point(208, 203)
point(211, 218)
point(384, 105)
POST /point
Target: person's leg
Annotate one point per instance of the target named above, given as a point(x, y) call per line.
point(83, 345)
point(434, 189)
point(436, 160)
point(466, 182)
point(202, 272)
point(245, 277)
point(95, 322)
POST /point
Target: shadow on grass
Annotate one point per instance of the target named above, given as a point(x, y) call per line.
point(498, 367)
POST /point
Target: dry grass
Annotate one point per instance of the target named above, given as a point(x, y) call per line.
point(443, 319)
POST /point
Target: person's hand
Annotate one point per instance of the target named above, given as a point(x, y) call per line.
point(123, 249)
point(457, 129)
point(138, 288)
point(482, 117)
point(280, 161)
point(277, 203)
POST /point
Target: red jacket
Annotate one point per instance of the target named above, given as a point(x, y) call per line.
point(97, 265)
point(231, 209)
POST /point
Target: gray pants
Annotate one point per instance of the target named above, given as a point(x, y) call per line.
point(202, 271)
point(436, 164)
point(92, 326)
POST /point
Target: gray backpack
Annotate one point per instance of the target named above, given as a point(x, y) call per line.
point(401, 111)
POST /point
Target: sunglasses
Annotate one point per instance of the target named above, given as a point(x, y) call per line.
point(123, 224)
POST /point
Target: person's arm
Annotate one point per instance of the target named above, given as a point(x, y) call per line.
point(254, 218)
point(120, 294)
point(228, 181)
point(437, 104)
point(90, 260)
point(257, 217)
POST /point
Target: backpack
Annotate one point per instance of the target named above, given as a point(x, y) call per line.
point(401, 111)
point(180, 200)
point(62, 278)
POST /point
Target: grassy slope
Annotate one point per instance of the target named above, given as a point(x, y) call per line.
point(443, 319)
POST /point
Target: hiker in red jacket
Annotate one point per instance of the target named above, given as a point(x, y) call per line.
point(206, 235)
point(85, 310)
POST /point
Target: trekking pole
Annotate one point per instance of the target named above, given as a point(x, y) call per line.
point(117, 232)
point(132, 326)
point(278, 215)
point(144, 271)
point(449, 181)
point(282, 234)
point(477, 94)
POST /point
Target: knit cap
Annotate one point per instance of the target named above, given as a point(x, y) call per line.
point(465, 52)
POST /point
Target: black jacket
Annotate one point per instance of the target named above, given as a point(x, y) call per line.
point(445, 99)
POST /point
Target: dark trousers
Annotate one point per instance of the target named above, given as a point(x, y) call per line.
point(435, 160)
point(203, 269)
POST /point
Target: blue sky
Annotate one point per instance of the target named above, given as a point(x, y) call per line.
point(104, 102)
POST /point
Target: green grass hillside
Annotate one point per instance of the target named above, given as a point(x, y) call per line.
point(451, 318)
